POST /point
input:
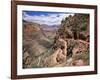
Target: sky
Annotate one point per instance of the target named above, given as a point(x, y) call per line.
point(47, 18)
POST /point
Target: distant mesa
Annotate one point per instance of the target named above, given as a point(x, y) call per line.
point(30, 26)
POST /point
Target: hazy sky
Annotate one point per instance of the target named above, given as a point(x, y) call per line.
point(48, 18)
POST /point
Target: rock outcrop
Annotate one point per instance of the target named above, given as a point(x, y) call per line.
point(75, 27)
point(75, 31)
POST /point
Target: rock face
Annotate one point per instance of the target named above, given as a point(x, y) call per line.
point(35, 42)
point(70, 46)
point(58, 56)
point(75, 31)
point(75, 27)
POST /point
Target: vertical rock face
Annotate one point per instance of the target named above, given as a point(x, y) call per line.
point(75, 27)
